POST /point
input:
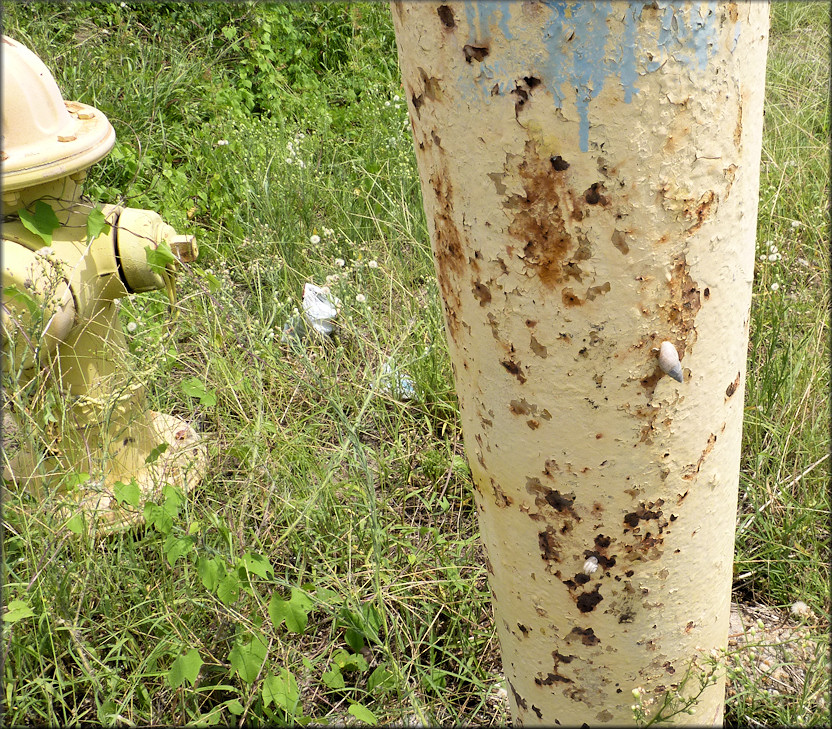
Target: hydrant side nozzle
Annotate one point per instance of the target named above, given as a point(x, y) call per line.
point(185, 248)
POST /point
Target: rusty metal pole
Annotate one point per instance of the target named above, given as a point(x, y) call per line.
point(590, 179)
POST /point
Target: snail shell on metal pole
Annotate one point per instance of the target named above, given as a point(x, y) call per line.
point(669, 361)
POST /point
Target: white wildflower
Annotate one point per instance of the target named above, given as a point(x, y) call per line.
point(373, 264)
point(795, 223)
point(772, 257)
point(222, 142)
point(360, 298)
point(775, 286)
point(340, 262)
point(315, 239)
point(801, 609)
point(132, 326)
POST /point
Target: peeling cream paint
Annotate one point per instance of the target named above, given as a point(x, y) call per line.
point(590, 178)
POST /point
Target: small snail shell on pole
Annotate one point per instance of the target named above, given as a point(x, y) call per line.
point(669, 361)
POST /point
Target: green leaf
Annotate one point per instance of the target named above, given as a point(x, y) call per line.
point(13, 296)
point(349, 661)
point(128, 493)
point(96, 224)
point(258, 565)
point(194, 387)
point(235, 707)
point(155, 516)
point(174, 500)
point(210, 571)
point(333, 679)
point(184, 668)
point(153, 456)
point(381, 678)
point(295, 611)
point(282, 689)
point(354, 639)
point(159, 258)
point(247, 658)
point(75, 479)
point(17, 610)
point(42, 222)
point(176, 547)
point(229, 589)
point(76, 523)
point(362, 713)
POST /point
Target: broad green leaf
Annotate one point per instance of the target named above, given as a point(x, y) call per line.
point(176, 547)
point(210, 571)
point(349, 661)
point(75, 479)
point(282, 689)
point(186, 667)
point(381, 678)
point(128, 493)
point(174, 499)
point(160, 257)
point(354, 639)
point(234, 706)
point(96, 224)
point(194, 387)
point(294, 611)
point(362, 713)
point(155, 516)
point(258, 565)
point(229, 589)
point(17, 610)
point(333, 678)
point(41, 222)
point(247, 658)
point(76, 523)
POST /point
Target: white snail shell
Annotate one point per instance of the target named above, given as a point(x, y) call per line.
point(669, 361)
point(590, 565)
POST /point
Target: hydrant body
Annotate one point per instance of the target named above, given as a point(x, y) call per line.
point(65, 356)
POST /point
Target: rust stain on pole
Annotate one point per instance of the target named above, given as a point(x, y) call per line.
point(590, 178)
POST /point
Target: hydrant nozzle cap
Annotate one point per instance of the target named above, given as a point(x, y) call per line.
point(43, 136)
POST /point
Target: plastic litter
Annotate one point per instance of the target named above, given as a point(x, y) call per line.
point(320, 308)
point(396, 384)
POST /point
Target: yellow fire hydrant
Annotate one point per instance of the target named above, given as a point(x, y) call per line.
point(65, 358)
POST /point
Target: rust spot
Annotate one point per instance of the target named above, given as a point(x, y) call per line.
point(500, 498)
point(538, 348)
point(706, 293)
point(706, 208)
point(436, 140)
point(589, 600)
point(619, 241)
point(593, 195)
point(481, 293)
point(539, 222)
point(594, 292)
point(446, 15)
point(514, 369)
point(495, 90)
point(538, 713)
point(475, 53)
point(433, 90)
point(691, 470)
point(559, 164)
point(523, 629)
point(549, 545)
point(732, 388)
point(518, 699)
point(570, 298)
point(533, 424)
point(550, 497)
point(550, 679)
point(586, 635)
point(683, 304)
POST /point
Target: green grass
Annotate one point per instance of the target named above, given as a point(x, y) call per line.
point(360, 502)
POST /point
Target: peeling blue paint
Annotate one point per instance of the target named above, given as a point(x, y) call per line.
point(737, 32)
point(576, 50)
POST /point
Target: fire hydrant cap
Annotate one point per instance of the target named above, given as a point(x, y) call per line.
point(43, 136)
